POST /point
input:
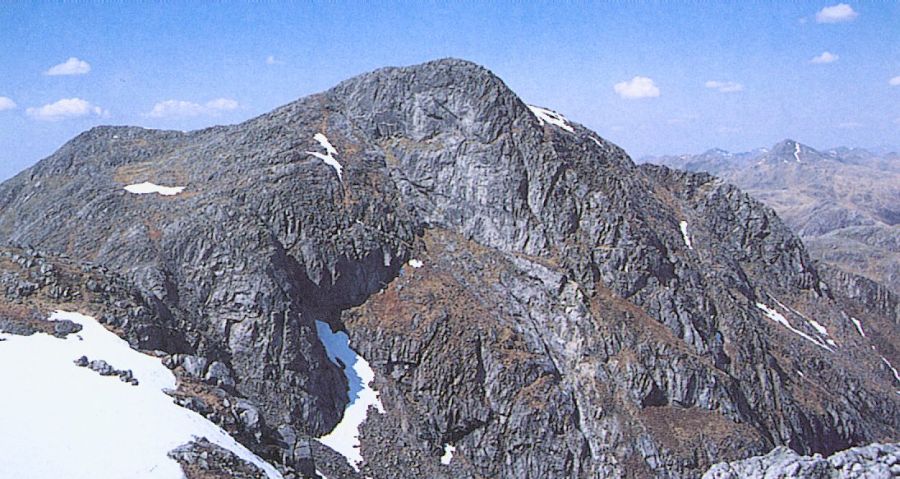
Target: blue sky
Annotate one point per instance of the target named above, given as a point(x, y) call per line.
point(186, 65)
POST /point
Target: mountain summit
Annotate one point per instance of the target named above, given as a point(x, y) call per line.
point(416, 274)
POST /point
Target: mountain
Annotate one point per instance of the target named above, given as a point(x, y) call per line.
point(419, 264)
point(844, 203)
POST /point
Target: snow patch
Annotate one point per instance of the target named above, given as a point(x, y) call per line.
point(818, 327)
point(797, 152)
point(549, 116)
point(416, 263)
point(148, 188)
point(71, 422)
point(858, 325)
point(684, 234)
point(448, 454)
point(328, 156)
point(344, 438)
point(780, 319)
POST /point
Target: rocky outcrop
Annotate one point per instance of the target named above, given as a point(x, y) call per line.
point(524, 293)
point(876, 461)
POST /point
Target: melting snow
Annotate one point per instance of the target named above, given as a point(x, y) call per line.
point(684, 234)
point(778, 318)
point(71, 422)
point(328, 157)
point(344, 438)
point(551, 117)
point(416, 263)
point(448, 454)
point(147, 188)
point(858, 325)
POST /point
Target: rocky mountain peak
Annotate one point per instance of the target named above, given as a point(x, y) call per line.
point(519, 293)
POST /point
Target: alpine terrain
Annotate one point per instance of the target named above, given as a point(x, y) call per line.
point(844, 203)
point(415, 274)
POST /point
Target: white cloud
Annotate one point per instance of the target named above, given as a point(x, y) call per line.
point(724, 86)
point(176, 108)
point(7, 103)
point(637, 87)
point(271, 60)
point(727, 129)
point(894, 81)
point(65, 109)
point(72, 66)
point(825, 57)
point(222, 104)
point(836, 14)
point(850, 125)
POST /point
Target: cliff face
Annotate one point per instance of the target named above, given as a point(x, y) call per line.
point(523, 292)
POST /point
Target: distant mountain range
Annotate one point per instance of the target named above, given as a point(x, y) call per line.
point(844, 202)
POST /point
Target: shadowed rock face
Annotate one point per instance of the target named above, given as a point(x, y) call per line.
point(563, 322)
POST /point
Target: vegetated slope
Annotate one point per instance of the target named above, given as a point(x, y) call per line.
point(844, 203)
point(522, 291)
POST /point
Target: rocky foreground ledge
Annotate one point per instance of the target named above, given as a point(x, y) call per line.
point(875, 461)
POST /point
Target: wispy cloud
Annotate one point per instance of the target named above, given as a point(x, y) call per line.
point(72, 66)
point(637, 87)
point(271, 60)
point(724, 86)
point(181, 108)
point(6, 103)
point(836, 14)
point(894, 81)
point(850, 125)
point(65, 109)
point(727, 129)
point(825, 57)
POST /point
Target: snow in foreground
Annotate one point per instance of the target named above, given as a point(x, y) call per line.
point(148, 188)
point(61, 420)
point(549, 116)
point(344, 438)
point(328, 156)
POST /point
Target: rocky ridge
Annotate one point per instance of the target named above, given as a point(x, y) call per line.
point(573, 315)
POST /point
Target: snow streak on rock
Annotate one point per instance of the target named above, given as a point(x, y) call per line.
point(549, 116)
point(148, 188)
point(780, 319)
point(72, 422)
point(344, 438)
point(858, 325)
point(684, 234)
point(328, 157)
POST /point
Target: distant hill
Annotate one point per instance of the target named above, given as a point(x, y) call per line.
point(844, 202)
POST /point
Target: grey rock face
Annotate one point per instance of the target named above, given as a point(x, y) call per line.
point(876, 461)
point(573, 315)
